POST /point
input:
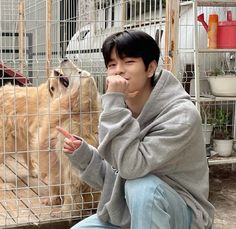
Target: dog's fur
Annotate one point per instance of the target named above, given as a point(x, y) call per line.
point(20, 114)
point(69, 99)
point(77, 112)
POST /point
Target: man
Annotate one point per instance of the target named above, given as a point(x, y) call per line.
point(151, 163)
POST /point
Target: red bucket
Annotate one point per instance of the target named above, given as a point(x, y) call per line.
point(226, 33)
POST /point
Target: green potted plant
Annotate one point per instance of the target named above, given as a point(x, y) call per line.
point(222, 138)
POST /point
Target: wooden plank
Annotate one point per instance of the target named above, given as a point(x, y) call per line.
point(5, 217)
point(174, 34)
point(14, 205)
point(33, 192)
point(167, 64)
point(21, 28)
point(22, 203)
point(48, 37)
point(217, 160)
point(216, 3)
point(42, 190)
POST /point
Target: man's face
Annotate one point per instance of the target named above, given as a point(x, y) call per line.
point(133, 70)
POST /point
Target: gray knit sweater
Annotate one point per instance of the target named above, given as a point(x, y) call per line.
point(165, 140)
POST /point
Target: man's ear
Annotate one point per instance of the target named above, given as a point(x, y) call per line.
point(152, 68)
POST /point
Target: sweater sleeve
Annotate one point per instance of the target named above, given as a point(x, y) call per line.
point(91, 166)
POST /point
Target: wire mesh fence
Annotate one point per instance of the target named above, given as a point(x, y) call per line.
point(52, 74)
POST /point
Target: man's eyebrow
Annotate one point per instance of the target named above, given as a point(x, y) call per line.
point(111, 59)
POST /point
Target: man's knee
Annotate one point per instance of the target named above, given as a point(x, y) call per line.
point(142, 187)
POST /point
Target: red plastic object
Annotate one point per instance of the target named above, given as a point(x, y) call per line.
point(14, 74)
point(226, 36)
point(201, 19)
point(226, 31)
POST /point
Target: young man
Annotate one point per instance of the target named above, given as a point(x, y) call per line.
point(151, 162)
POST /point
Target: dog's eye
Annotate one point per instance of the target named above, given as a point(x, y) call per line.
point(50, 89)
point(56, 73)
point(80, 72)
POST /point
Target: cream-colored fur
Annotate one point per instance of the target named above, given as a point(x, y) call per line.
point(29, 116)
point(20, 109)
point(77, 111)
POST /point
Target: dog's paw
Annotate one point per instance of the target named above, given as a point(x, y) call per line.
point(33, 169)
point(64, 213)
point(58, 213)
point(51, 201)
point(34, 173)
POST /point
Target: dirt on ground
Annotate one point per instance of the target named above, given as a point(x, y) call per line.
point(223, 195)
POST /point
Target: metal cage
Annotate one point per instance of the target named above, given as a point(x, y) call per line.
point(36, 36)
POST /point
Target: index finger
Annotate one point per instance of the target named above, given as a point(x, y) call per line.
point(64, 132)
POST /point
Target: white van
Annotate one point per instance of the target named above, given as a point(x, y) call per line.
point(85, 45)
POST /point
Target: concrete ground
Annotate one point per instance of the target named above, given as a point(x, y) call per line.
point(223, 195)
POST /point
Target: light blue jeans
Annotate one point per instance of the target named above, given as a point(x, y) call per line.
point(153, 205)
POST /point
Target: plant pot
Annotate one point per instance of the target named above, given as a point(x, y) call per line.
point(207, 130)
point(234, 146)
point(223, 85)
point(223, 147)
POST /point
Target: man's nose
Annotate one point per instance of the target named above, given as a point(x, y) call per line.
point(119, 69)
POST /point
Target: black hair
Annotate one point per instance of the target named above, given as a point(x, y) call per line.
point(131, 43)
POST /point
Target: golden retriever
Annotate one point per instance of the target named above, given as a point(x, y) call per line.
point(29, 116)
point(77, 111)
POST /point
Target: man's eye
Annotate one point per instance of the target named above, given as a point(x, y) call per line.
point(111, 65)
point(129, 60)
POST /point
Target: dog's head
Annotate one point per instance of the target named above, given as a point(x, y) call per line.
point(65, 78)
